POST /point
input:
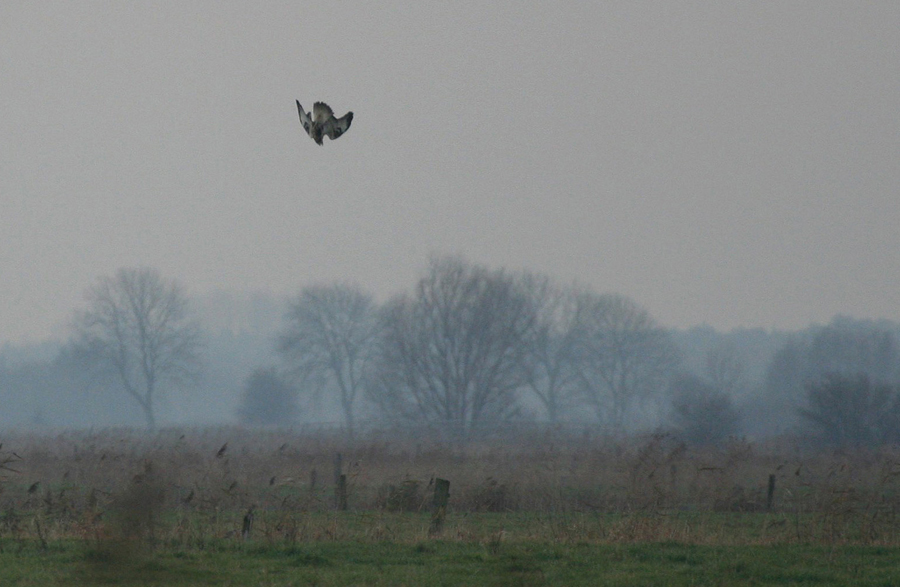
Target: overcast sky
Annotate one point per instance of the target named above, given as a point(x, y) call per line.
point(734, 164)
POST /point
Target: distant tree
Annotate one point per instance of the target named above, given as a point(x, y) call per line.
point(550, 349)
point(702, 412)
point(625, 357)
point(889, 423)
point(58, 389)
point(137, 329)
point(851, 411)
point(453, 352)
point(725, 368)
point(330, 341)
point(268, 400)
point(783, 389)
point(845, 347)
point(848, 348)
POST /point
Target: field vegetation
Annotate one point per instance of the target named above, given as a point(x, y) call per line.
point(541, 506)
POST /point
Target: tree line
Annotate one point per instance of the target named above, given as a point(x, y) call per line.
point(469, 349)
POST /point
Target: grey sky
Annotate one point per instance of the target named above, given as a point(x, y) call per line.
point(736, 165)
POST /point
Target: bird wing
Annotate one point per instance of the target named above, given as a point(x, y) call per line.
point(304, 118)
point(335, 127)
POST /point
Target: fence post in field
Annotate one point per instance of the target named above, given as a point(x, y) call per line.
point(340, 484)
point(441, 496)
point(338, 467)
point(770, 494)
point(341, 493)
point(247, 525)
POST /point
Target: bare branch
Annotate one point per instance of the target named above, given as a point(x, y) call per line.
point(329, 342)
point(624, 356)
point(136, 327)
point(453, 353)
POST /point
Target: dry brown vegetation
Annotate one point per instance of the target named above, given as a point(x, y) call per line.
point(196, 486)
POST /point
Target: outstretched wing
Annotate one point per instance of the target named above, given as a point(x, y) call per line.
point(304, 118)
point(335, 127)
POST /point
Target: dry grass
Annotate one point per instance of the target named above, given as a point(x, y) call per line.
point(197, 486)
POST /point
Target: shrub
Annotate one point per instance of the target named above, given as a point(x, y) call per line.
point(851, 411)
point(268, 400)
point(702, 413)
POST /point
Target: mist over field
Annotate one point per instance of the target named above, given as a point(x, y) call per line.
point(753, 383)
point(495, 293)
point(649, 217)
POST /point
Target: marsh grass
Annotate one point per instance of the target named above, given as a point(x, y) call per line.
point(544, 508)
point(193, 488)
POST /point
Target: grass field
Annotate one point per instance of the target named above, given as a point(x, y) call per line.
point(453, 562)
point(231, 507)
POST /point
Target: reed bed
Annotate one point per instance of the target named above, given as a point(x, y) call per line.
point(197, 487)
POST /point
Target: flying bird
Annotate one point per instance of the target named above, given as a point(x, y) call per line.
point(323, 122)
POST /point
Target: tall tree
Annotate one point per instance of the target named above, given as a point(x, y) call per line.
point(329, 342)
point(137, 328)
point(845, 347)
point(453, 352)
point(851, 410)
point(725, 368)
point(550, 357)
point(625, 357)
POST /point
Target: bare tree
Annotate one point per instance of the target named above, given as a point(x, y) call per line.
point(625, 357)
point(725, 368)
point(137, 328)
point(851, 410)
point(453, 352)
point(550, 365)
point(329, 342)
point(845, 347)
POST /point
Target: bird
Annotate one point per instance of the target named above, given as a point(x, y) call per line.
point(322, 122)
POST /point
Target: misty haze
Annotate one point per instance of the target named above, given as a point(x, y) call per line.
point(642, 238)
point(731, 173)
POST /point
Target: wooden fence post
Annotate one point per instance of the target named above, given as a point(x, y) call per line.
point(340, 484)
point(770, 493)
point(247, 525)
point(341, 493)
point(338, 467)
point(441, 497)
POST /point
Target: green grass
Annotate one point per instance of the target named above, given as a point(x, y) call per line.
point(450, 562)
point(134, 510)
